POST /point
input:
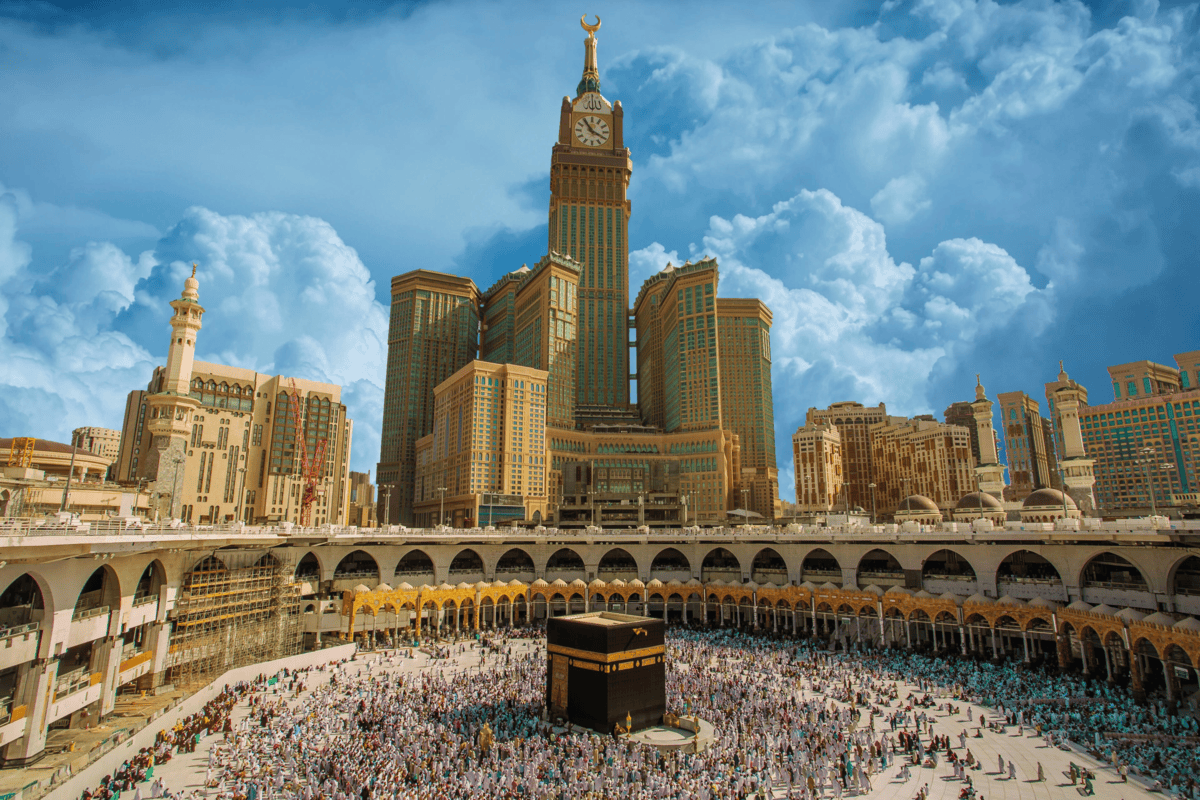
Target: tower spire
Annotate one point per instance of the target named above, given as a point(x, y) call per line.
point(591, 73)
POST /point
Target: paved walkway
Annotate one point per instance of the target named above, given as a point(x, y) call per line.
point(186, 772)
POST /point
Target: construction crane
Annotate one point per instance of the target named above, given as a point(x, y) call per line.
point(310, 469)
point(20, 452)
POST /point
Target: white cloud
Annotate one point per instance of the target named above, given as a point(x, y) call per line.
point(282, 293)
point(901, 199)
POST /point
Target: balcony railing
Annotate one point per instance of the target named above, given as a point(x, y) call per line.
point(18, 630)
point(72, 682)
point(144, 599)
point(88, 613)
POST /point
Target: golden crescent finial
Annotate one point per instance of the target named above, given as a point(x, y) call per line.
point(193, 269)
point(591, 29)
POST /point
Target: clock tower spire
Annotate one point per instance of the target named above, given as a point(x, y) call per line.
point(591, 73)
point(590, 169)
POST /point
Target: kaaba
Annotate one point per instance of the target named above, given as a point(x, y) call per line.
point(604, 667)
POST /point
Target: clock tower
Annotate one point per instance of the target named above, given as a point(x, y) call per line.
point(590, 169)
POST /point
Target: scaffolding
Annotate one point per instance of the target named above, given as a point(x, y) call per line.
point(228, 617)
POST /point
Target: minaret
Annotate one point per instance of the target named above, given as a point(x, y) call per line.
point(171, 408)
point(989, 472)
point(1065, 398)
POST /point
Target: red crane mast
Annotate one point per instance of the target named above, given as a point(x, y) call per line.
point(310, 469)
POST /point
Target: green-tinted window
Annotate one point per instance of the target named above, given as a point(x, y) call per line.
point(1131, 389)
point(1146, 385)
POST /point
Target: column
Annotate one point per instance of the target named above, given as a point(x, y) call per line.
point(108, 662)
point(158, 640)
point(1171, 680)
point(995, 645)
point(962, 638)
point(1025, 642)
point(1063, 642)
point(1108, 670)
point(34, 691)
point(1135, 678)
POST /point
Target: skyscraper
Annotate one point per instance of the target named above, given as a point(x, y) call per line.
point(1148, 439)
point(433, 332)
point(747, 404)
point(590, 168)
point(1032, 463)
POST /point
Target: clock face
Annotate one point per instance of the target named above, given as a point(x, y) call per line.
point(592, 131)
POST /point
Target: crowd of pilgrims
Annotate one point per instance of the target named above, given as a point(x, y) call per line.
point(371, 732)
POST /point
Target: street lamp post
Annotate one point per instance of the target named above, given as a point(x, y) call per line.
point(66, 496)
point(1148, 458)
point(745, 511)
point(387, 503)
point(871, 486)
point(442, 506)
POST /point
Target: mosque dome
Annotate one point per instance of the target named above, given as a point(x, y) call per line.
point(917, 502)
point(383, 587)
point(1009, 600)
point(1048, 498)
point(1080, 605)
point(978, 500)
point(1188, 624)
point(1130, 615)
point(361, 589)
point(1041, 602)
point(981, 600)
point(873, 589)
point(1159, 618)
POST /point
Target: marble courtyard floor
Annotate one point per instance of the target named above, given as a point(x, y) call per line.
point(185, 773)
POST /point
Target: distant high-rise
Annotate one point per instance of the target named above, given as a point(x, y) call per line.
point(962, 413)
point(747, 404)
point(853, 422)
point(817, 453)
point(1147, 439)
point(433, 332)
point(1032, 464)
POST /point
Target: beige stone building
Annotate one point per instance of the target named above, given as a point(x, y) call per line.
point(215, 443)
point(853, 422)
point(104, 442)
point(361, 502)
point(486, 460)
point(817, 453)
point(1029, 440)
point(921, 457)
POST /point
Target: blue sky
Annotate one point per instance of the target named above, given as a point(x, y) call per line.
point(920, 190)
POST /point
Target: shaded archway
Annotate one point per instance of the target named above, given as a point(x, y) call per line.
point(670, 564)
point(415, 568)
point(309, 568)
point(100, 593)
point(466, 566)
point(947, 571)
point(819, 566)
point(153, 578)
point(565, 563)
point(22, 603)
point(1025, 575)
point(1186, 580)
point(1109, 578)
point(720, 565)
point(880, 568)
point(358, 565)
point(617, 563)
point(769, 567)
point(515, 564)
